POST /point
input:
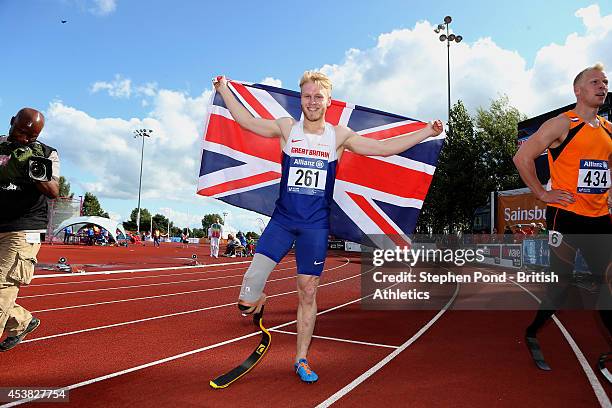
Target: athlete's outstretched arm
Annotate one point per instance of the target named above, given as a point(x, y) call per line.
point(389, 147)
point(547, 134)
point(263, 127)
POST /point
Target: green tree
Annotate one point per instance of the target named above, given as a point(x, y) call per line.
point(64, 188)
point(160, 222)
point(446, 194)
point(476, 159)
point(496, 128)
point(145, 220)
point(198, 233)
point(210, 219)
point(252, 234)
point(91, 206)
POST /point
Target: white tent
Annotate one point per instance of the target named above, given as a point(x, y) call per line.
point(78, 222)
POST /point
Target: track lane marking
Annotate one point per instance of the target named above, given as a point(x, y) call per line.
point(136, 277)
point(115, 271)
point(199, 350)
point(364, 343)
point(600, 393)
point(28, 340)
point(357, 381)
point(140, 286)
point(108, 302)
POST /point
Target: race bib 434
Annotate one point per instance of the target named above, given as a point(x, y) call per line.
point(593, 177)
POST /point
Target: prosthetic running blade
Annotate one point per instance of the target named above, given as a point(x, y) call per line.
point(536, 353)
point(247, 365)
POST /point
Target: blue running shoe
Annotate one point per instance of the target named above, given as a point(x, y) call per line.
point(305, 372)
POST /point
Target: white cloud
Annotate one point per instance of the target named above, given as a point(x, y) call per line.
point(406, 71)
point(103, 7)
point(118, 88)
point(148, 89)
point(105, 148)
point(121, 87)
point(182, 219)
point(272, 82)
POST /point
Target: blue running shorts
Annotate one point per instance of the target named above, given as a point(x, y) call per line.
point(310, 246)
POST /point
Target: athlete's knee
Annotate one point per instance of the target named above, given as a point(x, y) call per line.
point(307, 290)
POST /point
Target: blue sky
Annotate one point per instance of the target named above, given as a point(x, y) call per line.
point(117, 65)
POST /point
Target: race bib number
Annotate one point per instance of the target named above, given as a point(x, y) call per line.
point(555, 238)
point(307, 176)
point(593, 177)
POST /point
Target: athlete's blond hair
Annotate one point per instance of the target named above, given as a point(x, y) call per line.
point(318, 78)
point(597, 67)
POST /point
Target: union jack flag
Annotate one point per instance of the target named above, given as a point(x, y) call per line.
point(372, 195)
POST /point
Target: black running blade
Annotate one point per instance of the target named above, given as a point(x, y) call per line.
point(536, 353)
point(226, 379)
point(601, 364)
point(257, 317)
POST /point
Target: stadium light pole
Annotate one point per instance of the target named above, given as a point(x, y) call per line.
point(141, 133)
point(449, 38)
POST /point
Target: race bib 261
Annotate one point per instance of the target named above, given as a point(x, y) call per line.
point(307, 176)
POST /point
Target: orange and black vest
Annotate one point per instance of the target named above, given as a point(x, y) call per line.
point(580, 165)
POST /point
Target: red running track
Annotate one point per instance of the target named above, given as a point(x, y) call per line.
point(155, 338)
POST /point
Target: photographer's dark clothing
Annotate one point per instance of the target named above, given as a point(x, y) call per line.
point(22, 205)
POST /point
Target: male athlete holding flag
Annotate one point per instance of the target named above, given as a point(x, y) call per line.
point(311, 150)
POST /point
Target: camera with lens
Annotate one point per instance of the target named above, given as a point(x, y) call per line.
point(23, 164)
point(39, 168)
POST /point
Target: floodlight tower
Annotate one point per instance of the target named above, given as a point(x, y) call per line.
point(449, 38)
point(141, 133)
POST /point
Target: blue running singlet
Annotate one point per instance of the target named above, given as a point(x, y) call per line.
point(308, 176)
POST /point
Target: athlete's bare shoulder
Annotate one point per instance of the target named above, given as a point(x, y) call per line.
point(285, 125)
point(554, 131)
point(342, 133)
point(560, 120)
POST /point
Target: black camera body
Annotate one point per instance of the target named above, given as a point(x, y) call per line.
point(40, 168)
point(23, 164)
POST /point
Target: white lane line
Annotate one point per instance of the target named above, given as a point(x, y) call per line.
point(600, 393)
point(115, 271)
point(169, 315)
point(340, 340)
point(598, 389)
point(192, 352)
point(109, 302)
point(136, 277)
point(139, 286)
point(353, 384)
point(127, 287)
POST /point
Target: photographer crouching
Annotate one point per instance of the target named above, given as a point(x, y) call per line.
point(29, 173)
